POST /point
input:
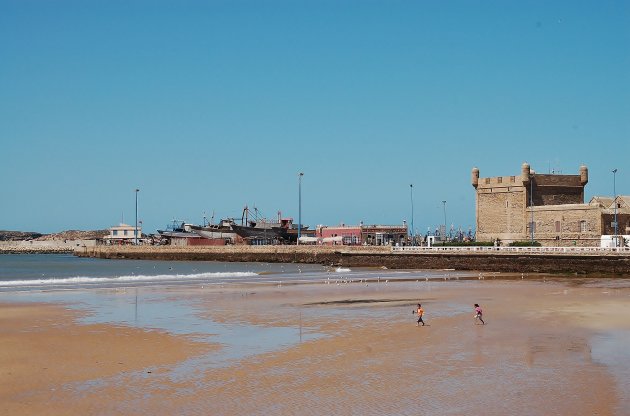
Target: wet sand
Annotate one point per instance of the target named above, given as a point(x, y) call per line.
point(548, 348)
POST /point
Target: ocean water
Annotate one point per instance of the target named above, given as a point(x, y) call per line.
point(33, 272)
point(24, 272)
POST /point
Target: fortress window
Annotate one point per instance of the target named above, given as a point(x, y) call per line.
point(512, 179)
point(583, 228)
point(500, 178)
point(557, 226)
point(531, 226)
point(487, 181)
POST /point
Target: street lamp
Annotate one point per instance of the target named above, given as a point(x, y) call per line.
point(299, 206)
point(136, 233)
point(614, 171)
point(412, 235)
point(444, 205)
point(531, 207)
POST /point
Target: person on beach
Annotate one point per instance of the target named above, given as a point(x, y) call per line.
point(479, 314)
point(420, 312)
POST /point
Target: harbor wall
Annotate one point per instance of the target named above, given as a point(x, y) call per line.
point(44, 246)
point(572, 263)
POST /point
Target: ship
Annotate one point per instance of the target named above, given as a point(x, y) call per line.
point(222, 230)
point(255, 227)
point(178, 229)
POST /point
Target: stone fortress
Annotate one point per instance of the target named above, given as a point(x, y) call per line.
point(549, 206)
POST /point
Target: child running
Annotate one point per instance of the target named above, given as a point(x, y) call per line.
point(420, 312)
point(479, 314)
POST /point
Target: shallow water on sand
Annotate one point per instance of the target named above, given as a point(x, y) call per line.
point(506, 368)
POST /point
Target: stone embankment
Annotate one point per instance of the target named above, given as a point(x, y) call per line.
point(614, 264)
point(43, 247)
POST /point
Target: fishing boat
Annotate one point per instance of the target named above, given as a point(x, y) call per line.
point(177, 229)
point(255, 227)
point(222, 230)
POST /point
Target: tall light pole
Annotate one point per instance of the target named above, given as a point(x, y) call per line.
point(531, 207)
point(299, 206)
point(614, 171)
point(136, 233)
point(444, 205)
point(412, 229)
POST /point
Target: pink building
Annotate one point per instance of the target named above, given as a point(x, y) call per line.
point(341, 234)
point(375, 235)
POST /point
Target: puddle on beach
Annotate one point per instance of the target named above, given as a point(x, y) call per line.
point(611, 349)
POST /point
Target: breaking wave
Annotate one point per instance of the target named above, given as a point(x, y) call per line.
point(124, 279)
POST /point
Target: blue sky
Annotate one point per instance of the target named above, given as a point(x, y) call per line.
point(208, 106)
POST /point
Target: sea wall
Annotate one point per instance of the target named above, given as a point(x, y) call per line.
point(605, 263)
point(42, 247)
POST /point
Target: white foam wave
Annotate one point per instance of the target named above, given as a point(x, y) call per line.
point(120, 279)
point(342, 270)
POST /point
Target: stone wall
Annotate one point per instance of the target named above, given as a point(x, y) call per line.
point(47, 246)
point(500, 213)
point(611, 264)
point(623, 226)
point(560, 225)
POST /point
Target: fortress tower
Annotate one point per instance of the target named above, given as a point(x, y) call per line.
point(504, 204)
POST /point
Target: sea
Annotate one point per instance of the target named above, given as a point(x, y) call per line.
point(28, 272)
point(41, 272)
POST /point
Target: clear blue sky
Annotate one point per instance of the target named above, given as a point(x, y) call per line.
point(211, 105)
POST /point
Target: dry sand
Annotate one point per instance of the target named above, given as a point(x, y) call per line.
point(547, 349)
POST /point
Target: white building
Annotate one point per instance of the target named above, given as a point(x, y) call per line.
point(122, 234)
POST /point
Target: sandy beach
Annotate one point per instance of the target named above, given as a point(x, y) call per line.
point(552, 347)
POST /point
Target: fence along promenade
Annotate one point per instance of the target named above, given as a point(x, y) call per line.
point(598, 251)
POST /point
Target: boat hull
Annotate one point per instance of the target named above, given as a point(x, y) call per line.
point(258, 232)
point(213, 233)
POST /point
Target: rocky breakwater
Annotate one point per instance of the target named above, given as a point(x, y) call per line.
point(42, 247)
point(606, 263)
point(19, 242)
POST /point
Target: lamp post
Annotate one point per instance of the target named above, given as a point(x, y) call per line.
point(444, 205)
point(136, 233)
point(531, 207)
point(299, 206)
point(413, 243)
point(614, 171)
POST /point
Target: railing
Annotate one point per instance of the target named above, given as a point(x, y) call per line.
point(489, 249)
